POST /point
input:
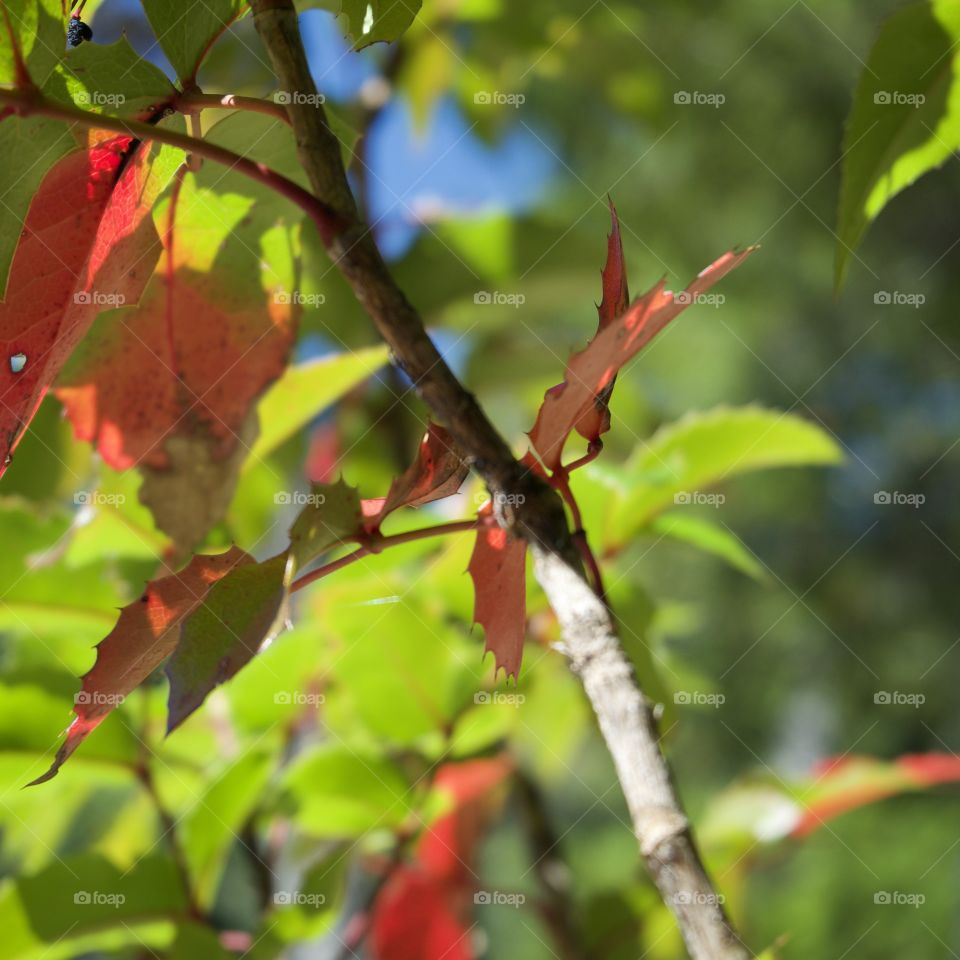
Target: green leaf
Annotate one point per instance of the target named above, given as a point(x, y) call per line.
point(186, 30)
point(335, 791)
point(240, 613)
point(905, 118)
point(39, 33)
point(332, 515)
point(702, 449)
point(309, 911)
point(209, 830)
point(305, 390)
point(711, 538)
point(30, 742)
point(85, 904)
point(198, 943)
point(108, 78)
point(37, 596)
point(403, 671)
point(29, 146)
point(372, 21)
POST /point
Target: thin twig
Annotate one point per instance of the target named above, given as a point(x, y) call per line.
point(26, 102)
point(376, 544)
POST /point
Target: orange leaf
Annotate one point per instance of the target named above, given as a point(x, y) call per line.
point(145, 634)
point(438, 472)
point(592, 370)
point(498, 569)
point(595, 420)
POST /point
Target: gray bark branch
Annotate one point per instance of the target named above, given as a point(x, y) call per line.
point(589, 636)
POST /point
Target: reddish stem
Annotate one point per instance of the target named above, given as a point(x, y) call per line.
point(193, 102)
point(377, 543)
point(328, 221)
point(560, 481)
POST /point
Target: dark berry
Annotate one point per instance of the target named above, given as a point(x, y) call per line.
point(77, 32)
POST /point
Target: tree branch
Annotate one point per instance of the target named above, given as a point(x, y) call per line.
point(589, 636)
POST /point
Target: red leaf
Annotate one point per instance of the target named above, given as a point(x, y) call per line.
point(145, 634)
point(417, 917)
point(191, 360)
point(438, 472)
point(498, 569)
point(449, 847)
point(593, 369)
point(424, 910)
point(87, 234)
point(595, 421)
point(849, 782)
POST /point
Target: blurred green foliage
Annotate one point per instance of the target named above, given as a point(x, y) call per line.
point(765, 611)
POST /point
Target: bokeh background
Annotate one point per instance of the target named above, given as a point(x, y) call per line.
point(850, 597)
